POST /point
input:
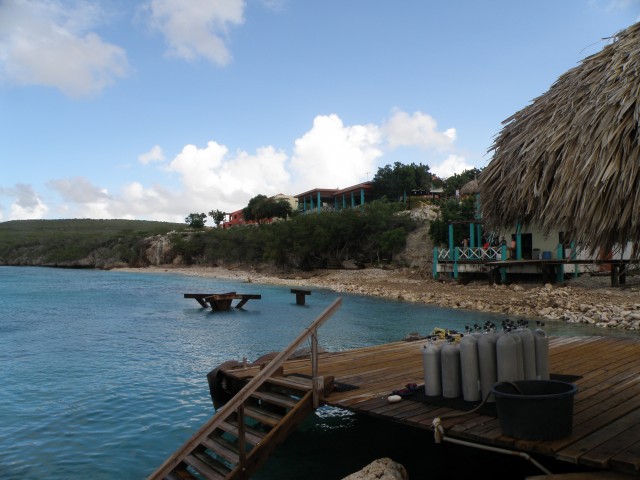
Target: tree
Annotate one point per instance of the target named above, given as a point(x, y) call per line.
point(452, 210)
point(394, 182)
point(196, 220)
point(217, 216)
point(262, 207)
point(458, 180)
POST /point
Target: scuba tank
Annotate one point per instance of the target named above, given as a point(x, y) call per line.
point(507, 357)
point(488, 364)
point(431, 366)
point(450, 366)
point(528, 351)
point(541, 342)
point(470, 369)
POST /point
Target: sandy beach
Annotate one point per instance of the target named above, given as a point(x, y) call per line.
point(588, 299)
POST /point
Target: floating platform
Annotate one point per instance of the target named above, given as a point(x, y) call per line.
point(222, 301)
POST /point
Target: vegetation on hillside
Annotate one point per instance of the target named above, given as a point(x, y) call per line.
point(72, 242)
point(371, 233)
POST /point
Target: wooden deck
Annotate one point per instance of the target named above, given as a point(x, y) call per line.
point(606, 423)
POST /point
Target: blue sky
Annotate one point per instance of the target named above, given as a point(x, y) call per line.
point(155, 109)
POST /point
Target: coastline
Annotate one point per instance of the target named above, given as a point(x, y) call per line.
point(584, 300)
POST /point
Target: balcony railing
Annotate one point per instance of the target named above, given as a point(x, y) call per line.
point(470, 254)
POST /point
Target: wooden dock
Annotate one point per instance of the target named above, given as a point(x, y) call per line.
point(606, 419)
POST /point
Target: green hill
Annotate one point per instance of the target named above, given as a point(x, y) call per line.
point(77, 242)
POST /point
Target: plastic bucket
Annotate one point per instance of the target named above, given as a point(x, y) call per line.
point(546, 255)
point(535, 409)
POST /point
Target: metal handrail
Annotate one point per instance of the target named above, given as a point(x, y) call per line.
point(239, 399)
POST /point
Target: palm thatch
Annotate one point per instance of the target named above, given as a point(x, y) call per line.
point(470, 188)
point(570, 160)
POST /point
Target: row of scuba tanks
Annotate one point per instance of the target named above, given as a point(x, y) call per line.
point(468, 365)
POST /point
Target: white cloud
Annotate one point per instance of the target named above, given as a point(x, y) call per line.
point(47, 42)
point(27, 203)
point(153, 155)
point(197, 28)
point(417, 130)
point(453, 164)
point(332, 155)
point(329, 155)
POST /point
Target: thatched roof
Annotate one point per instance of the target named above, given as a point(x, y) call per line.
point(570, 160)
point(470, 188)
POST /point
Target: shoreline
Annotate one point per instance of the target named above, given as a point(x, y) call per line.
point(584, 300)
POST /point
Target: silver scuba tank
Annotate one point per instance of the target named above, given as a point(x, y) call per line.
point(519, 355)
point(432, 369)
point(541, 342)
point(450, 366)
point(507, 357)
point(488, 365)
point(469, 369)
point(528, 352)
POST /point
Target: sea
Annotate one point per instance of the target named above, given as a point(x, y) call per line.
point(103, 374)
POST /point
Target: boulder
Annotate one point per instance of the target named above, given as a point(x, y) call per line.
point(381, 469)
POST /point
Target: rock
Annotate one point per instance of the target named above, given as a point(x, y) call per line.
point(381, 469)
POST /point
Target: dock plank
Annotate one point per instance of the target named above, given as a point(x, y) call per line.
point(606, 423)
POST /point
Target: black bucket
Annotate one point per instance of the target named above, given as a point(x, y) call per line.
point(535, 409)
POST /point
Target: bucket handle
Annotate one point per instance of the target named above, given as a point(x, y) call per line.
point(511, 384)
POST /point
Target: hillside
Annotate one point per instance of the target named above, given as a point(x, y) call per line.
point(77, 243)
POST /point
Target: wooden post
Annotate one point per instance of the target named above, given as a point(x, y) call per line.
point(560, 268)
point(314, 369)
point(435, 263)
point(455, 262)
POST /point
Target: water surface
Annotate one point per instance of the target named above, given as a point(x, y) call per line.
point(104, 373)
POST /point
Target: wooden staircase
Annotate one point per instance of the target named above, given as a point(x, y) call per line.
point(259, 417)
point(243, 441)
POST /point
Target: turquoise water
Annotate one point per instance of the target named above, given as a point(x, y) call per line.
point(103, 374)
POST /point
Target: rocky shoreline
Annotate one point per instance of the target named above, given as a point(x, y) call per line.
point(588, 299)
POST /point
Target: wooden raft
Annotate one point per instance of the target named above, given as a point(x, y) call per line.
point(606, 419)
point(222, 301)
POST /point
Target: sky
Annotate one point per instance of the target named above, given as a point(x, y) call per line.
point(156, 109)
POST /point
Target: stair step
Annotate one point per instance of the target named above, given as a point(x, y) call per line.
point(262, 416)
point(275, 399)
point(298, 384)
point(223, 448)
point(207, 466)
point(253, 436)
point(180, 474)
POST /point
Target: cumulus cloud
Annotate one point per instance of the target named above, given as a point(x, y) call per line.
point(417, 130)
point(453, 164)
point(78, 190)
point(210, 176)
point(329, 155)
point(332, 155)
point(153, 155)
point(197, 28)
point(27, 203)
point(49, 43)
